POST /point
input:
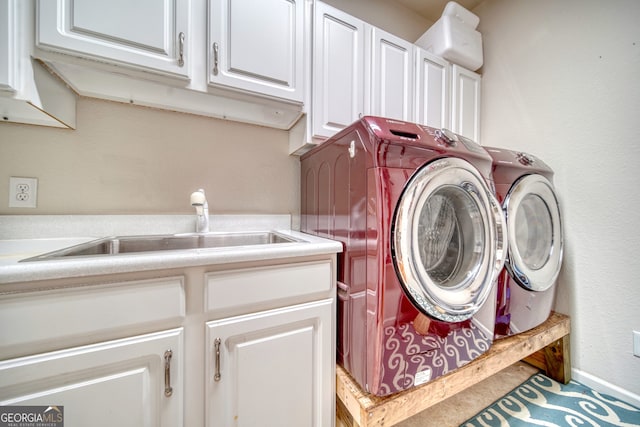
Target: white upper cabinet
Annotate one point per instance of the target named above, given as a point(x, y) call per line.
point(28, 92)
point(338, 70)
point(432, 92)
point(359, 69)
point(240, 60)
point(258, 46)
point(392, 76)
point(465, 108)
point(152, 35)
point(265, 62)
point(7, 45)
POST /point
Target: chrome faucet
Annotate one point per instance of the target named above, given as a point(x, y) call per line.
point(199, 201)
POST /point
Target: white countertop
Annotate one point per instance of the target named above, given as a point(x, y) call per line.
point(12, 250)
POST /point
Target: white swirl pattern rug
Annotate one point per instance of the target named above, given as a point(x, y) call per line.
point(541, 401)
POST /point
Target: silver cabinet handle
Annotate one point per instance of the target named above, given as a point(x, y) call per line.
point(181, 49)
point(168, 390)
point(215, 59)
point(217, 376)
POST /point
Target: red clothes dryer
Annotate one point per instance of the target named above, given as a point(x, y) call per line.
point(527, 286)
point(424, 241)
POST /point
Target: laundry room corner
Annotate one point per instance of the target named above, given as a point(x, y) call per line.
point(558, 81)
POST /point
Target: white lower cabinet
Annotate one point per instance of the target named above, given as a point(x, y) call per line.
point(144, 352)
point(110, 352)
point(130, 382)
point(272, 368)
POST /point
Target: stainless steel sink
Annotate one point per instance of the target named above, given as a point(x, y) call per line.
point(152, 243)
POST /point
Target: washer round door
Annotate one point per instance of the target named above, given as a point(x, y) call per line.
point(448, 239)
point(535, 233)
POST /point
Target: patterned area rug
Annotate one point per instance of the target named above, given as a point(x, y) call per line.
point(542, 401)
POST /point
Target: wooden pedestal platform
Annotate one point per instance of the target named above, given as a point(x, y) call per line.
point(546, 347)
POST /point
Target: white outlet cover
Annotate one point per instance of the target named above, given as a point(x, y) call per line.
point(31, 199)
point(636, 343)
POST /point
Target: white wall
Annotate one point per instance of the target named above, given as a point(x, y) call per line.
point(126, 159)
point(561, 80)
point(390, 16)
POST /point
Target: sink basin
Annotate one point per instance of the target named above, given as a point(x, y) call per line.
point(172, 242)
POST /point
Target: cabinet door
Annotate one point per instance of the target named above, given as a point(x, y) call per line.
point(338, 70)
point(391, 89)
point(465, 116)
point(271, 369)
point(65, 317)
point(432, 90)
point(151, 35)
point(257, 45)
point(130, 382)
point(8, 54)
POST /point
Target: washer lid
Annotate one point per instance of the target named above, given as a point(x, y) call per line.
point(535, 233)
point(448, 239)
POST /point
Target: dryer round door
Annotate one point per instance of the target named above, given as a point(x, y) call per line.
point(535, 233)
point(448, 239)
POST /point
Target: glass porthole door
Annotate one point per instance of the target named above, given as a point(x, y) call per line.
point(535, 233)
point(448, 239)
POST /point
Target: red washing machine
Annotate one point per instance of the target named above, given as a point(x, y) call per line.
point(527, 285)
point(424, 241)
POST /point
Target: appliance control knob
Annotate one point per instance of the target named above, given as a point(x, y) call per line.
point(525, 159)
point(446, 136)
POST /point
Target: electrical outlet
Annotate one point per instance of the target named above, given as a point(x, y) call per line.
point(636, 343)
point(23, 192)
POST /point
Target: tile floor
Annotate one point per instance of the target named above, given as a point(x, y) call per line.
point(459, 408)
